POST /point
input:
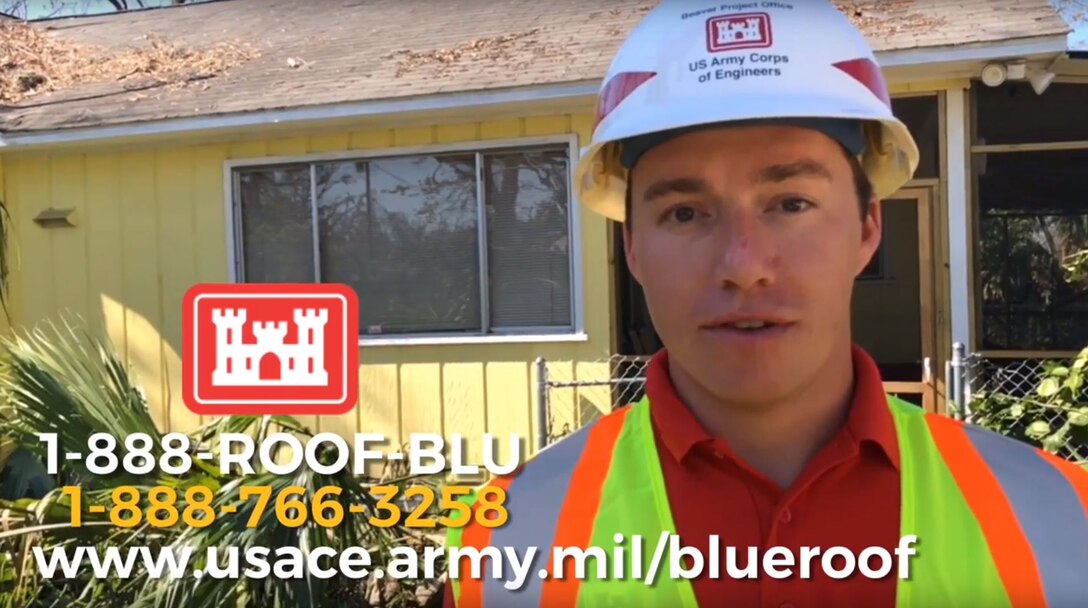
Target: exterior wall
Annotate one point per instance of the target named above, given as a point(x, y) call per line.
point(13, 278)
point(151, 221)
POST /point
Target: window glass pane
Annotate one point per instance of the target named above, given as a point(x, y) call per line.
point(1033, 216)
point(922, 117)
point(528, 244)
point(1012, 113)
point(414, 247)
point(346, 226)
point(277, 224)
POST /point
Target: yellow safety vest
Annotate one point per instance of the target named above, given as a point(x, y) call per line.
point(999, 522)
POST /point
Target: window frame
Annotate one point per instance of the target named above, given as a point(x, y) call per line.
point(881, 256)
point(575, 332)
point(973, 153)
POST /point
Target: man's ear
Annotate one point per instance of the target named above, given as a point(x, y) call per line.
point(629, 251)
point(871, 231)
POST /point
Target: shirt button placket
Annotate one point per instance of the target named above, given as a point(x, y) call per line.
point(785, 516)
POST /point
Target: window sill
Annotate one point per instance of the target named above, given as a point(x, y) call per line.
point(470, 340)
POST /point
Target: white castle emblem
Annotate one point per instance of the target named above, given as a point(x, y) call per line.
point(300, 364)
point(733, 31)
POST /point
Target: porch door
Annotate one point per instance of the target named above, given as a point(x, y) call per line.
point(895, 305)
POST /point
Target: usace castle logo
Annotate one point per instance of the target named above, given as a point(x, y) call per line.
point(260, 349)
point(740, 31)
point(238, 363)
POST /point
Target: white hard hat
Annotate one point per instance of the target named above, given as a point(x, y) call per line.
point(692, 63)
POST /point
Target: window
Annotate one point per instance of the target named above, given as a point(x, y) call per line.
point(876, 269)
point(1013, 114)
point(1032, 215)
point(921, 114)
point(459, 243)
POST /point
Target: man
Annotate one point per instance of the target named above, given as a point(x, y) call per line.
point(746, 151)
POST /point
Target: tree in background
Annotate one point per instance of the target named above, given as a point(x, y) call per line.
point(47, 9)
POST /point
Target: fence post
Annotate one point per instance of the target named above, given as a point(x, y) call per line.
point(958, 381)
point(542, 421)
point(950, 395)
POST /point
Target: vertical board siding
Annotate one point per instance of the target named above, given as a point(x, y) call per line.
point(464, 406)
point(69, 247)
point(29, 189)
point(9, 312)
point(142, 296)
point(105, 250)
point(174, 169)
point(151, 222)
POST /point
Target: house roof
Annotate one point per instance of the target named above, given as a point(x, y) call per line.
point(286, 54)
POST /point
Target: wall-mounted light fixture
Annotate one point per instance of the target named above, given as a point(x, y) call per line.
point(1017, 70)
point(996, 73)
point(55, 218)
point(1040, 80)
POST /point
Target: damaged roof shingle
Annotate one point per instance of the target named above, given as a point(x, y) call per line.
point(247, 55)
point(33, 63)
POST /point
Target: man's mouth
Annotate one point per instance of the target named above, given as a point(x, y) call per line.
point(748, 324)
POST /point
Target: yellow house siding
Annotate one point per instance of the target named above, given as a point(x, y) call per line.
point(152, 220)
point(12, 278)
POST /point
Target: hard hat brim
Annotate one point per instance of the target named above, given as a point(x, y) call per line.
point(890, 160)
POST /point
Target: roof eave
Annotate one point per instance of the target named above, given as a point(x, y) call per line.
point(983, 51)
point(940, 59)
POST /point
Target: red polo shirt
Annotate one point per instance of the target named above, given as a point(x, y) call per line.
point(848, 495)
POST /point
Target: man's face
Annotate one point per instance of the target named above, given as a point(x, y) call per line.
point(746, 242)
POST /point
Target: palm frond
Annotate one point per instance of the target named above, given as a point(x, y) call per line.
point(55, 379)
point(59, 379)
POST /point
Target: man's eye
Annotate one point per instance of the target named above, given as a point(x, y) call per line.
point(795, 205)
point(682, 214)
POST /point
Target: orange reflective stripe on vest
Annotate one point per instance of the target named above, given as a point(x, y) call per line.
point(1033, 517)
point(987, 501)
point(571, 477)
point(470, 590)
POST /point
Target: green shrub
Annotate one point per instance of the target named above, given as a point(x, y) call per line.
point(1052, 416)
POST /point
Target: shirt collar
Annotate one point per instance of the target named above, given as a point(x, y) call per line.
point(869, 422)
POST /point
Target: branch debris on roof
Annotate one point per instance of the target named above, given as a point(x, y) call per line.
point(884, 18)
point(502, 50)
point(32, 62)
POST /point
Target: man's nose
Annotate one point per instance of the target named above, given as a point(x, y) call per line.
point(747, 254)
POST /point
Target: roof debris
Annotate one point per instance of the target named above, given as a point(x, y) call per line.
point(32, 62)
point(884, 18)
point(505, 48)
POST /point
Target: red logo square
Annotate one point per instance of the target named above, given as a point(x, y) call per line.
point(270, 349)
point(733, 32)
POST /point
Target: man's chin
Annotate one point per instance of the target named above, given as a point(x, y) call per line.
point(749, 392)
point(744, 380)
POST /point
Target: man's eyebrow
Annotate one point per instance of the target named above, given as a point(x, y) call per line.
point(681, 185)
point(781, 173)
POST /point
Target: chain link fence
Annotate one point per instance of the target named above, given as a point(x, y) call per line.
point(1037, 400)
point(1002, 394)
point(572, 394)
